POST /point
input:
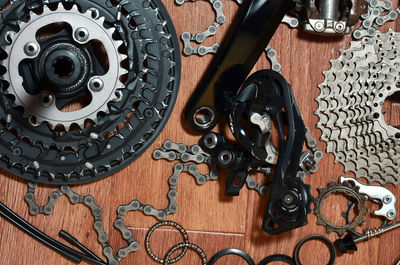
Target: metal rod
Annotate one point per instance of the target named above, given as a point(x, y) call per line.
point(373, 233)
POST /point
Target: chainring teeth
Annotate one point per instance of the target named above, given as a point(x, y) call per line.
point(115, 140)
point(34, 17)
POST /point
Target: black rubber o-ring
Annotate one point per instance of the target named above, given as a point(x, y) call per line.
point(327, 242)
point(277, 257)
point(231, 251)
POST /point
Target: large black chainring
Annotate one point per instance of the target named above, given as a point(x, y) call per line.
point(41, 154)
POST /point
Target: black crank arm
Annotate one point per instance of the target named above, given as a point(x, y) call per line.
point(250, 33)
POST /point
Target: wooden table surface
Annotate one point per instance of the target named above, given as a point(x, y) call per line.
point(213, 221)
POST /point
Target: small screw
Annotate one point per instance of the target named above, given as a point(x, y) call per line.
point(96, 84)
point(288, 199)
point(31, 49)
point(81, 34)
point(319, 26)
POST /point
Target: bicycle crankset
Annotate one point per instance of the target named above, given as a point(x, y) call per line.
point(86, 86)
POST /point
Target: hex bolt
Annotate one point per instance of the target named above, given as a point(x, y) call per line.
point(31, 49)
point(287, 199)
point(46, 99)
point(319, 26)
point(225, 157)
point(349, 242)
point(96, 84)
point(81, 34)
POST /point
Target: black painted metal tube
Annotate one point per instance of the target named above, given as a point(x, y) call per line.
point(247, 38)
point(33, 232)
point(38, 235)
point(73, 241)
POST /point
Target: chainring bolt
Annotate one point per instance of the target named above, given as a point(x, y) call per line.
point(96, 84)
point(81, 34)
point(46, 99)
point(31, 49)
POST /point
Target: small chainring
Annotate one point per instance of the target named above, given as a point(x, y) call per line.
point(43, 153)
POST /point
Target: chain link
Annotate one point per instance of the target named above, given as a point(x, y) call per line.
point(75, 198)
point(378, 13)
point(169, 151)
point(220, 19)
point(200, 37)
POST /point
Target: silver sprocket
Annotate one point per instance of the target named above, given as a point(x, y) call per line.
point(350, 108)
point(35, 108)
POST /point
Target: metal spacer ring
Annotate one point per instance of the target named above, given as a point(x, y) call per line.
point(326, 241)
point(185, 245)
point(166, 223)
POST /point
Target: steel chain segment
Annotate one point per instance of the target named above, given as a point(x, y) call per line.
point(378, 13)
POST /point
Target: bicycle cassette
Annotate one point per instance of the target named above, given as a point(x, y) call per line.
point(351, 113)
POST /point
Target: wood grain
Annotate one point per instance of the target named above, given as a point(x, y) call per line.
point(213, 220)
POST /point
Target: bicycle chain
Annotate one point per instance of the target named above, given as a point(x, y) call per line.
point(378, 13)
point(89, 202)
point(170, 151)
point(200, 37)
point(220, 19)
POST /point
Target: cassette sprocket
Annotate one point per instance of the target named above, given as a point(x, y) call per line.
point(348, 190)
point(351, 113)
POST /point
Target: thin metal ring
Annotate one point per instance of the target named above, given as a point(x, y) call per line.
point(166, 223)
point(231, 251)
point(277, 257)
point(327, 242)
point(185, 245)
point(204, 122)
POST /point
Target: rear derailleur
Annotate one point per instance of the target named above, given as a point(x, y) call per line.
point(262, 105)
point(266, 99)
